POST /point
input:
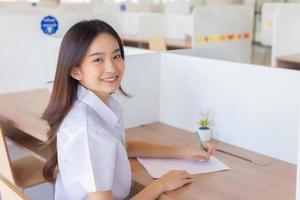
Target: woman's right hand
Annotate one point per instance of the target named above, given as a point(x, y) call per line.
point(174, 179)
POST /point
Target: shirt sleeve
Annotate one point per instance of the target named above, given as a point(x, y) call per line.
point(91, 155)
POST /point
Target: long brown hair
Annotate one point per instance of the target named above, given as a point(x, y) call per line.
point(64, 93)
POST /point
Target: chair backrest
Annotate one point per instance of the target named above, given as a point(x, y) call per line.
point(157, 44)
point(9, 191)
point(5, 162)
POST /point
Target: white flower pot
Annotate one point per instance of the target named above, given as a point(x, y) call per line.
point(205, 134)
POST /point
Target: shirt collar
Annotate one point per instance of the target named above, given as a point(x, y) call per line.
point(108, 113)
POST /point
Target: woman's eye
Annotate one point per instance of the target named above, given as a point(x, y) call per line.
point(98, 60)
point(117, 57)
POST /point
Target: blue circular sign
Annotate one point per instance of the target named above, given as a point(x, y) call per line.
point(49, 25)
point(123, 7)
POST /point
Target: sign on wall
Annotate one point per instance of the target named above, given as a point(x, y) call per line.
point(49, 25)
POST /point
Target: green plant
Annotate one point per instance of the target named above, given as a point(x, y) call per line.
point(204, 121)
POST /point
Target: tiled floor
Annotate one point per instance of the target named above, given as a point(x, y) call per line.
point(260, 55)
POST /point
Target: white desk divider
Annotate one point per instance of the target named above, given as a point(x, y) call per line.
point(142, 81)
point(221, 25)
point(172, 26)
point(130, 22)
point(298, 168)
point(269, 12)
point(152, 25)
point(286, 38)
point(253, 107)
point(178, 26)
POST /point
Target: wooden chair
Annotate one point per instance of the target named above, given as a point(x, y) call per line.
point(157, 44)
point(9, 191)
point(23, 173)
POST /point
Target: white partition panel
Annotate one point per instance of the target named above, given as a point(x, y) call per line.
point(141, 80)
point(130, 22)
point(298, 169)
point(172, 26)
point(23, 63)
point(269, 11)
point(178, 26)
point(222, 25)
point(152, 25)
point(286, 38)
point(253, 107)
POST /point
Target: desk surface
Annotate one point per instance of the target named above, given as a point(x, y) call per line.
point(248, 178)
point(289, 61)
point(24, 110)
point(253, 176)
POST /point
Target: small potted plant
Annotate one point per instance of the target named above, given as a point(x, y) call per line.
point(204, 131)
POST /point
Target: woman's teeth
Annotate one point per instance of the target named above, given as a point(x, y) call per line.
point(110, 78)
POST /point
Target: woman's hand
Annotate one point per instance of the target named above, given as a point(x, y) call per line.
point(170, 181)
point(193, 152)
point(173, 180)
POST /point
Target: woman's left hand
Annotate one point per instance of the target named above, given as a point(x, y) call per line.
point(193, 152)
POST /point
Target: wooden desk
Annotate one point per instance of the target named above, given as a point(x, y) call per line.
point(252, 175)
point(290, 61)
point(24, 110)
point(143, 42)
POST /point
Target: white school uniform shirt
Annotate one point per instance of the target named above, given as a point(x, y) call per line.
point(91, 150)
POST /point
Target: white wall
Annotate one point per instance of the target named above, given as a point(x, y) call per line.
point(180, 7)
point(19, 7)
point(253, 107)
point(23, 63)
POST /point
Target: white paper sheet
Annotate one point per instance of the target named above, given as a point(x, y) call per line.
point(157, 167)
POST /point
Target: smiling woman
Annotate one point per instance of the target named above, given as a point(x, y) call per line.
point(89, 159)
point(102, 68)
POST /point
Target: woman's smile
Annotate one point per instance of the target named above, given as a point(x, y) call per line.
point(111, 79)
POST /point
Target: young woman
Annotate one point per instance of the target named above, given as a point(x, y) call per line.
point(89, 158)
